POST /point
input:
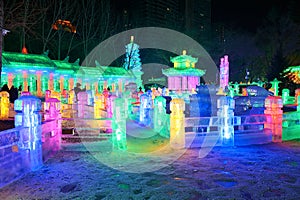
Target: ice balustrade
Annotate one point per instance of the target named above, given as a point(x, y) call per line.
point(23, 148)
point(218, 130)
point(253, 128)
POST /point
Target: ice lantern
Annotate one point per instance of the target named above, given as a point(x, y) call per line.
point(28, 117)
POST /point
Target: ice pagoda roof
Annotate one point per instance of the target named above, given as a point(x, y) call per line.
point(183, 72)
point(183, 58)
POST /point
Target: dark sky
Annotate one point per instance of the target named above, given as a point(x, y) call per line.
point(246, 14)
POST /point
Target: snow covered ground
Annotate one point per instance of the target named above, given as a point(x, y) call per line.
point(254, 172)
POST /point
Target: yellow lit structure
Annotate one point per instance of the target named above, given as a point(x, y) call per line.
point(177, 133)
point(4, 105)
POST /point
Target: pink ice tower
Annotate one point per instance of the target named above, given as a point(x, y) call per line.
point(224, 72)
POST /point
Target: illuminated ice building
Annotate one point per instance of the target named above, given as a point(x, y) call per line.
point(184, 77)
point(38, 73)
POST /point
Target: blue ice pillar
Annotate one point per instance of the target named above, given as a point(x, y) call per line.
point(28, 117)
point(226, 120)
point(160, 116)
point(119, 125)
point(90, 98)
point(145, 107)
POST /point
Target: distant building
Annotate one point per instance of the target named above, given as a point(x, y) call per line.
point(189, 16)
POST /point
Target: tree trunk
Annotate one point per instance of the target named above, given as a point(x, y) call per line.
point(1, 35)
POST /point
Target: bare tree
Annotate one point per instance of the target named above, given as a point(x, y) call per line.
point(22, 17)
point(1, 35)
point(93, 22)
point(56, 10)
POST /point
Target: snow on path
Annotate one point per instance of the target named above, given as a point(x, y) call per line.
point(254, 172)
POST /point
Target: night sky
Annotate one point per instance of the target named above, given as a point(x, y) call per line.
point(247, 15)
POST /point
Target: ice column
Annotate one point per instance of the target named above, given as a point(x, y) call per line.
point(160, 116)
point(177, 133)
point(119, 125)
point(285, 96)
point(145, 106)
point(273, 114)
point(52, 112)
point(4, 105)
point(82, 101)
point(28, 117)
point(224, 72)
point(110, 106)
point(226, 120)
point(98, 104)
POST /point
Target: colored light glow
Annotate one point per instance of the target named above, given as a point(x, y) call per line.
point(293, 73)
point(64, 25)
